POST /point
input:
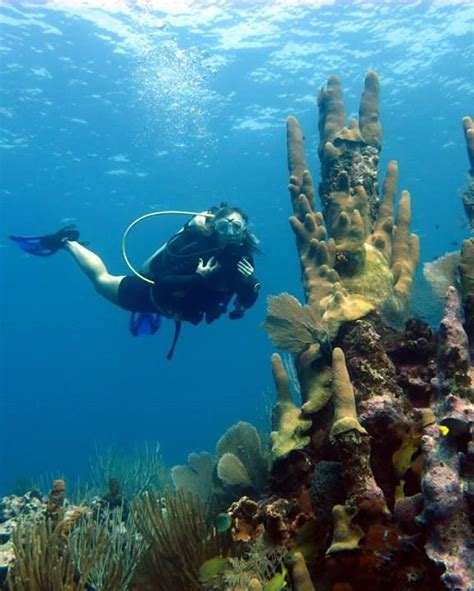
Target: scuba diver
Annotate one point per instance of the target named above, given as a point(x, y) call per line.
point(192, 277)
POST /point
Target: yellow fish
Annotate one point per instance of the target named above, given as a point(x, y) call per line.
point(278, 582)
point(212, 568)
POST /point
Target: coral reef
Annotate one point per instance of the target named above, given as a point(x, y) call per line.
point(386, 418)
point(369, 483)
point(457, 268)
point(55, 545)
point(241, 468)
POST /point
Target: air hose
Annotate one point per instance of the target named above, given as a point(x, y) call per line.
point(144, 217)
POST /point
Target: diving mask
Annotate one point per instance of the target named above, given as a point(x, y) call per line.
point(232, 227)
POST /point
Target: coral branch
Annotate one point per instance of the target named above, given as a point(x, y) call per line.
point(370, 125)
point(300, 574)
point(351, 441)
point(290, 426)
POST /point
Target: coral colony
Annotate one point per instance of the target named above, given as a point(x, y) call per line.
point(366, 481)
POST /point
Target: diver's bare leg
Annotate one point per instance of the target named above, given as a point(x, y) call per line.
point(106, 285)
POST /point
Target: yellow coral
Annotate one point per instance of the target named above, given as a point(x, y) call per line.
point(291, 424)
point(300, 575)
point(345, 414)
point(346, 535)
point(355, 242)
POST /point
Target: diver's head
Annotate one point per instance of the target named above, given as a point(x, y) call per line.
point(230, 225)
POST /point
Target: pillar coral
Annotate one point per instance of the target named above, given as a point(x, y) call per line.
point(354, 259)
point(300, 575)
point(389, 410)
point(352, 445)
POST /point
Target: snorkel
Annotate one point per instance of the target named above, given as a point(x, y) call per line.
point(141, 219)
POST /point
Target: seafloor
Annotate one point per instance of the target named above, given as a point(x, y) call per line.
point(366, 482)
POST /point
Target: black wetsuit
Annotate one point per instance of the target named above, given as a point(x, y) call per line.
point(180, 292)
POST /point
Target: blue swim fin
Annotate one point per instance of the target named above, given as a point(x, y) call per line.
point(144, 323)
point(45, 246)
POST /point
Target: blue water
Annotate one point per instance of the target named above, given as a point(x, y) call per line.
point(110, 113)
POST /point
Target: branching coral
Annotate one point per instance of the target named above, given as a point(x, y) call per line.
point(355, 257)
point(114, 542)
point(353, 244)
point(43, 561)
point(72, 548)
point(138, 471)
point(180, 536)
point(255, 569)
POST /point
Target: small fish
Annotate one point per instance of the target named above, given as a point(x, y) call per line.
point(278, 582)
point(223, 522)
point(212, 568)
point(443, 430)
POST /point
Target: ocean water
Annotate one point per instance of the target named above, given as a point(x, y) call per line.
point(113, 109)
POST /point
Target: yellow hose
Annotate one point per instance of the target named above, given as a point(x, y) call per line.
point(144, 217)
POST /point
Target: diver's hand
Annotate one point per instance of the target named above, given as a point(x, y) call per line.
point(208, 268)
point(245, 268)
